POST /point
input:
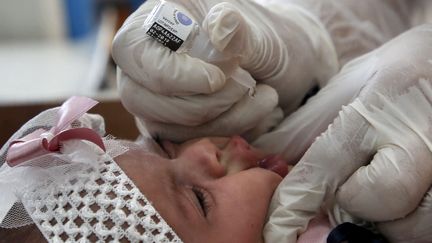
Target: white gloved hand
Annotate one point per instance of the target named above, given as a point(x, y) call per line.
point(294, 135)
point(289, 52)
point(356, 27)
point(186, 117)
point(375, 160)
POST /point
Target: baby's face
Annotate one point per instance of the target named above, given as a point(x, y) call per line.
point(210, 190)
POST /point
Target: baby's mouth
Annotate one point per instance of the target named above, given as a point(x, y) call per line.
point(274, 163)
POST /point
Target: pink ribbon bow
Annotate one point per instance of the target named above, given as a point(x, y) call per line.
point(41, 142)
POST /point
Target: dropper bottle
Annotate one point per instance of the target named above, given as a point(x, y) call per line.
point(177, 31)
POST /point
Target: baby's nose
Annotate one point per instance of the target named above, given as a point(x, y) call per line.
point(210, 160)
point(239, 155)
point(239, 143)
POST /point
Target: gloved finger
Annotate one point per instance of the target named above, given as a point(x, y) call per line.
point(243, 116)
point(418, 223)
point(190, 110)
point(331, 159)
point(392, 185)
point(227, 29)
point(400, 173)
point(158, 68)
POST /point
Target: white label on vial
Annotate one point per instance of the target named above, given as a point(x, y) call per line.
point(168, 25)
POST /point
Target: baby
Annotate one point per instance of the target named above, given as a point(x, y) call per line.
point(209, 190)
point(206, 190)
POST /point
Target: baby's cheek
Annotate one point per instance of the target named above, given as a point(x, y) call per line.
point(240, 160)
point(247, 197)
point(254, 184)
point(272, 179)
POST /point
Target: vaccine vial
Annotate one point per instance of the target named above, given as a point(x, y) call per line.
point(176, 30)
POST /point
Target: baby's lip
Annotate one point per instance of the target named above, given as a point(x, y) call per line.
point(274, 163)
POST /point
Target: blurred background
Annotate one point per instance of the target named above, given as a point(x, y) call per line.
point(53, 49)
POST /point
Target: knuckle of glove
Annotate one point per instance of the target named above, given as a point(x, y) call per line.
point(391, 187)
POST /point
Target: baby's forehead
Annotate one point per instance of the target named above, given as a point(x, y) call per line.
point(144, 145)
point(137, 153)
point(144, 167)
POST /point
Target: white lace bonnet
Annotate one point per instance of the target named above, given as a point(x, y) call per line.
point(63, 178)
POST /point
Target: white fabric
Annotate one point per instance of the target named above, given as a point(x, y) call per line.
point(421, 12)
point(79, 194)
point(374, 161)
point(275, 47)
point(357, 27)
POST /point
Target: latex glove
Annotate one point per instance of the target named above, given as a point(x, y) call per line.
point(356, 27)
point(275, 54)
point(247, 114)
point(294, 135)
point(222, 127)
point(375, 160)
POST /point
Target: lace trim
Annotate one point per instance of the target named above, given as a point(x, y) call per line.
point(98, 203)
